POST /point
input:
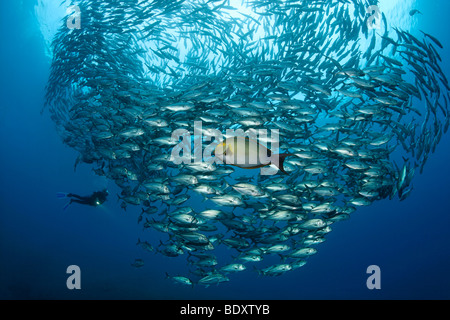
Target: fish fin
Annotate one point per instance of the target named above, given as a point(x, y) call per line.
point(225, 184)
point(77, 161)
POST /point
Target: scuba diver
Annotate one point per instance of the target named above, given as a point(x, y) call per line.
point(95, 199)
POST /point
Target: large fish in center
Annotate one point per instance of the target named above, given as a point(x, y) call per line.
point(247, 153)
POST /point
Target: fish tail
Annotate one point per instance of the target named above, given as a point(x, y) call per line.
point(281, 158)
point(257, 270)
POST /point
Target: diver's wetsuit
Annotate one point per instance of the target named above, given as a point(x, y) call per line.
point(96, 199)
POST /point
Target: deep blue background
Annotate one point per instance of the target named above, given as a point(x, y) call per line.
point(409, 240)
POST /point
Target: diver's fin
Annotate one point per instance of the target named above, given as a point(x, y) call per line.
point(61, 195)
point(67, 205)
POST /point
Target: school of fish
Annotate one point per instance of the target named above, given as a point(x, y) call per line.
point(358, 110)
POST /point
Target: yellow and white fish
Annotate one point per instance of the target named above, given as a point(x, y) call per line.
point(247, 153)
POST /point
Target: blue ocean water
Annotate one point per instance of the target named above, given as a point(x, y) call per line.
point(408, 240)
